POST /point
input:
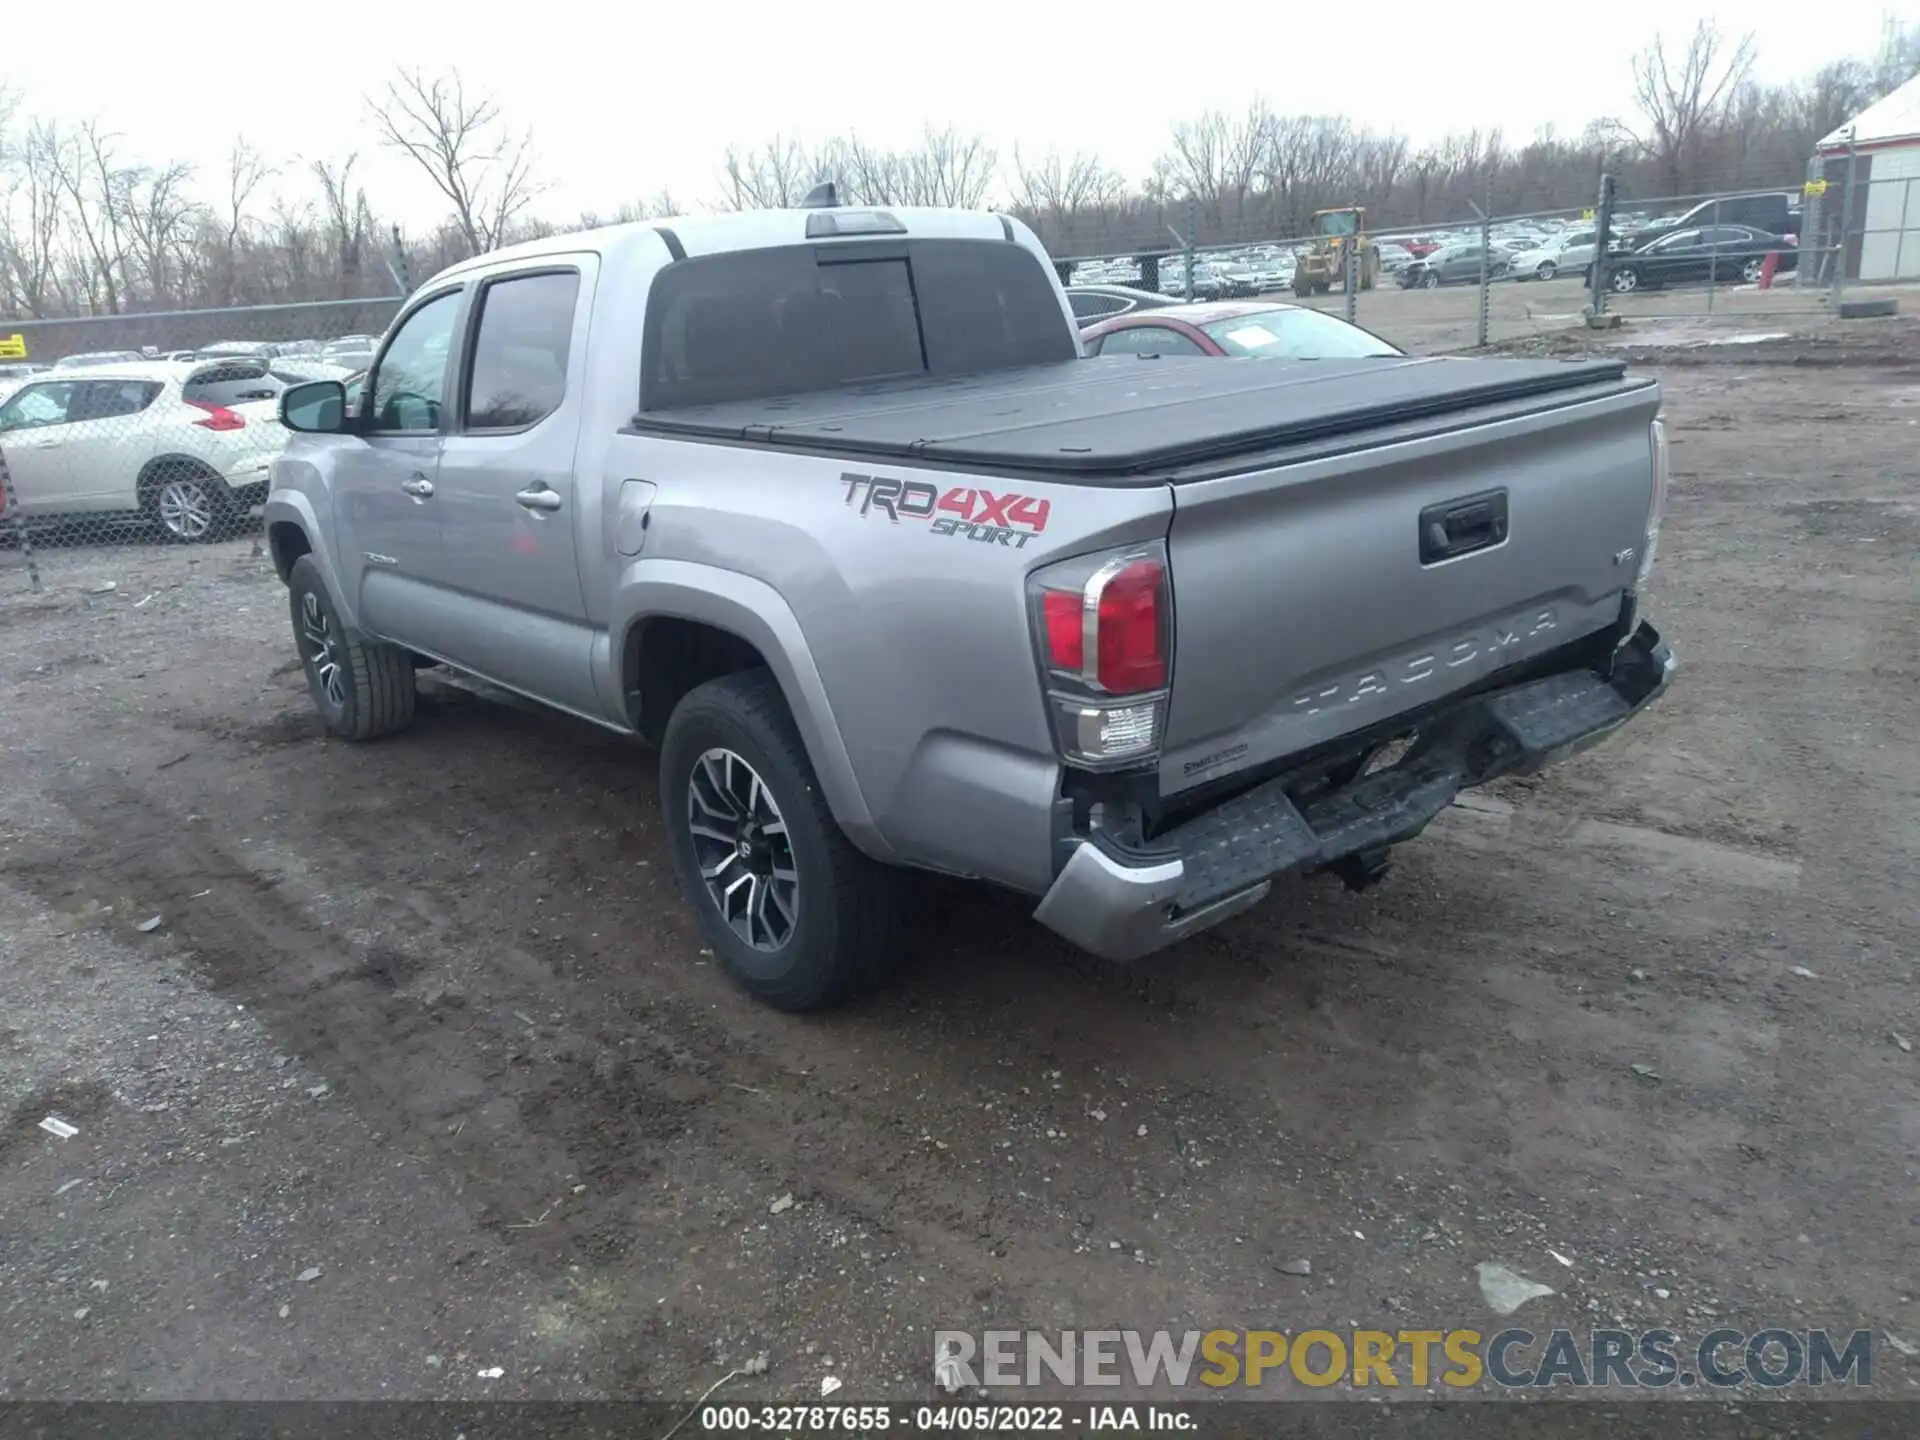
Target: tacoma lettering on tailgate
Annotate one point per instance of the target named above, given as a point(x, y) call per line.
point(1416, 669)
point(991, 518)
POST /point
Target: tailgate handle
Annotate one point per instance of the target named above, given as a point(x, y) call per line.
point(1459, 527)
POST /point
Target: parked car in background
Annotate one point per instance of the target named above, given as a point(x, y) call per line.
point(1570, 251)
point(1094, 303)
point(187, 447)
point(1261, 328)
point(353, 350)
point(1238, 282)
point(91, 358)
point(1275, 272)
point(298, 369)
point(1721, 253)
point(1394, 257)
point(1454, 265)
point(1772, 212)
point(239, 349)
point(15, 373)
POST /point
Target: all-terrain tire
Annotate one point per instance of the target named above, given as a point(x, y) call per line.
point(846, 933)
point(369, 690)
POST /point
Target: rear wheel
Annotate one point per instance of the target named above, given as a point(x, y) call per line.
point(188, 501)
point(1752, 270)
point(797, 915)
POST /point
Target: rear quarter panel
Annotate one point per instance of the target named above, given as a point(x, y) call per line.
point(908, 590)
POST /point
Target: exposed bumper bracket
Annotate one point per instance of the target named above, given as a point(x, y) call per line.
point(1225, 860)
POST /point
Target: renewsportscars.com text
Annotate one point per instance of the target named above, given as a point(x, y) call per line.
point(1512, 1359)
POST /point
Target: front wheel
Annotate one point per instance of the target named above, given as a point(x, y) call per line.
point(362, 688)
point(1624, 280)
point(794, 913)
point(1430, 280)
point(1546, 270)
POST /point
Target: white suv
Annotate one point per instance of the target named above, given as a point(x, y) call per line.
point(185, 445)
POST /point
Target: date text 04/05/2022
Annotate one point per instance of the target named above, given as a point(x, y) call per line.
point(943, 1419)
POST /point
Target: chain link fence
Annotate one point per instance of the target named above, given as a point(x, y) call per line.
point(1748, 259)
point(156, 429)
point(159, 428)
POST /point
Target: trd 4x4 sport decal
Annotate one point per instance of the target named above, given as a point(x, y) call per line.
point(973, 514)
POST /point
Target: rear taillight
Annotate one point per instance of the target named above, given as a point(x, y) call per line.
point(1662, 467)
point(218, 417)
point(1103, 625)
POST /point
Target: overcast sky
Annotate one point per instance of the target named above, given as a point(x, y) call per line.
point(641, 98)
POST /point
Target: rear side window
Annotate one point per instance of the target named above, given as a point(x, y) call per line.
point(519, 374)
point(112, 399)
point(796, 318)
point(230, 382)
point(1093, 306)
point(1147, 340)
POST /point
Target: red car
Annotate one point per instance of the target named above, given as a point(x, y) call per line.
point(1235, 327)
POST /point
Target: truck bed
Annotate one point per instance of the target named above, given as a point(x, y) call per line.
point(1128, 418)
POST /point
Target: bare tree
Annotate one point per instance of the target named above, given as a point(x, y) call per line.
point(97, 194)
point(159, 219)
point(33, 248)
point(658, 206)
point(1898, 60)
point(1682, 101)
point(247, 171)
point(86, 225)
point(465, 148)
point(1056, 193)
point(948, 168)
point(1310, 162)
point(349, 221)
point(772, 176)
point(1215, 159)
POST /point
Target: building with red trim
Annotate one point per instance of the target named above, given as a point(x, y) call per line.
point(1882, 197)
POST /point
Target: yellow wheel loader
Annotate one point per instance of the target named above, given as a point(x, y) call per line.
point(1323, 265)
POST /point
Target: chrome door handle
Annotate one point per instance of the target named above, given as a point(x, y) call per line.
point(44, 445)
point(419, 487)
point(539, 497)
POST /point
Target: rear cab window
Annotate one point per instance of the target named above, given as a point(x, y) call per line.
point(780, 321)
point(518, 375)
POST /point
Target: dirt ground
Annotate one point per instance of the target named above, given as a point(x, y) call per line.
point(1430, 321)
point(423, 1071)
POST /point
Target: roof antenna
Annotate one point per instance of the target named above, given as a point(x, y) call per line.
point(824, 196)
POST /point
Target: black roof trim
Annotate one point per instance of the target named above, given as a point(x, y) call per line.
point(674, 247)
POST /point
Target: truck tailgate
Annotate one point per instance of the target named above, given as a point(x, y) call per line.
point(1315, 598)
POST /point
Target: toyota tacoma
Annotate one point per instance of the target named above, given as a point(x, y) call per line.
point(829, 506)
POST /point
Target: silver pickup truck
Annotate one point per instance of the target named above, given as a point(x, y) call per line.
point(828, 505)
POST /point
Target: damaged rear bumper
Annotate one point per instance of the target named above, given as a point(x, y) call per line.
point(1122, 904)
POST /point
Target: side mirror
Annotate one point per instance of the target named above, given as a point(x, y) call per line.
point(318, 407)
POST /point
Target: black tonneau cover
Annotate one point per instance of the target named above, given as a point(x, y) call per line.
point(1124, 415)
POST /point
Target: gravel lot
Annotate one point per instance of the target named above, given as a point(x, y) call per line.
point(1429, 321)
point(423, 1071)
